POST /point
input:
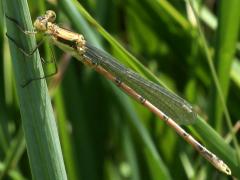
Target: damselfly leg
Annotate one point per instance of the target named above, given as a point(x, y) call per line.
point(30, 53)
point(46, 75)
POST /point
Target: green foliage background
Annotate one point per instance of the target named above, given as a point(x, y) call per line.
point(103, 133)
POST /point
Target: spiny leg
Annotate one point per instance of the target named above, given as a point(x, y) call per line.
point(19, 26)
point(47, 75)
point(28, 54)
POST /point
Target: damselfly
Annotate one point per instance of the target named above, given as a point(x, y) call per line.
point(167, 106)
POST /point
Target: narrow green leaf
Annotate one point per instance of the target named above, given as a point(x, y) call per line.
point(227, 36)
point(38, 120)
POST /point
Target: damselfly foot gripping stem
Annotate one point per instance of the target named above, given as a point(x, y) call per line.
point(29, 54)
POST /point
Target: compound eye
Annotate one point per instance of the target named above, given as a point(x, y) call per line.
point(51, 15)
point(40, 24)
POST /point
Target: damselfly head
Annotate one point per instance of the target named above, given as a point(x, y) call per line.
point(41, 23)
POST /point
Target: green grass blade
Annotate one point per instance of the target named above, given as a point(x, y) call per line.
point(227, 36)
point(38, 120)
point(176, 15)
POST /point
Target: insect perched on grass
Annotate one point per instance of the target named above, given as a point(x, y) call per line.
point(167, 106)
